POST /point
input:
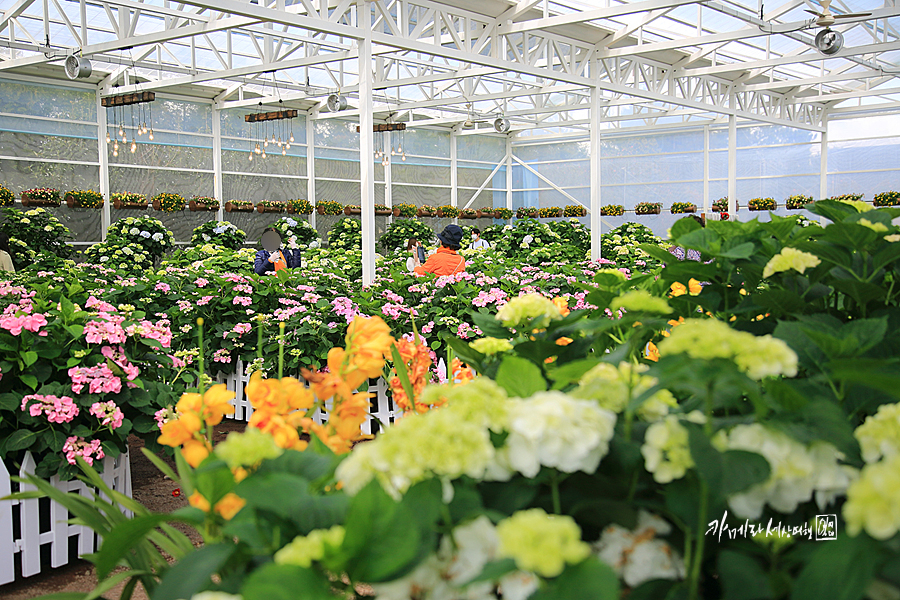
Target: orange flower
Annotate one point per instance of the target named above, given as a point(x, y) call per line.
point(651, 352)
point(278, 396)
point(180, 430)
point(564, 341)
point(285, 434)
point(369, 341)
point(462, 373)
point(211, 406)
point(562, 304)
point(198, 501)
point(347, 416)
point(417, 361)
point(679, 289)
point(194, 452)
point(230, 505)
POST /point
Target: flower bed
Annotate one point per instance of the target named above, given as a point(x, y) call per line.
point(34, 233)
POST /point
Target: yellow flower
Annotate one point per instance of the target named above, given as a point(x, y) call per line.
point(491, 345)
point(369, 341)
point(198, 501)
point(679, 289)
point(194, 452)
point(230, 505)
point(790, 258)
point(211, 406)
point(563, 305)
point(180, 430)
point(652, 352)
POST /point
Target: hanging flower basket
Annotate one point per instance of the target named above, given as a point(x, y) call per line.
point(550, 213)
point(486, 212)
point(503, 213)
point(383, 211)
point(886, 199)
point(270, 206)
point(41, 197)
point(574, 210)
point(201, 203)
point(166, 202)
point(329, 207)
point(407, 211)
point(468, 213)
point(648, 208)
point(721, 205)
point(352, 210)
point(426, 211)
point(679, 208)
point(300, 206)
point(128, 201)
point(239, 206)
point(526, 211)
point(448, 212)
point(762, 204)
point(612, 210)
point(797, 201)
point(84, 199)
point(6, 197)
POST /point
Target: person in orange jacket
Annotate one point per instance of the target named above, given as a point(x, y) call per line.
point(446, 261)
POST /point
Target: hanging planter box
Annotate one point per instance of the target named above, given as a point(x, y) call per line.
point(51, 199)
point(574, 210)
point(384, 213)
point(197, 206)
point(426, 212)
point(648, 208)
point(352, 210)
point(83, 199)
point(679, 208)
point(468, 213)
point(120, 204)
point(448, 212)
point(239, 206)
point(758, 204)
point(269, 207)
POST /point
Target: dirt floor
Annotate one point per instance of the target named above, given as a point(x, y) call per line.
point(151, 489)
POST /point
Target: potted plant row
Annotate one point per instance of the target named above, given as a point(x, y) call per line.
point(41, 197)
point(329, 207)
point(166, 202)
point(201, 203)
point(487, 212)
point(762, 204)
point(847, 197)
point(503, 213)
point(886, 199)
point(406, 211)
point(648, 208)
point(612, 210)
point(128, 200)
point(382, 210)
point(550, 213)
point(352, 209)
point(84, 199)
point(574, 210)
point(678, 208)
point(238, 206)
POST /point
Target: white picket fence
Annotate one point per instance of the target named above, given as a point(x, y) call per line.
point(21, 531)
point(382, 409)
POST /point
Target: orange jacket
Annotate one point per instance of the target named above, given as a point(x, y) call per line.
point(443, 262)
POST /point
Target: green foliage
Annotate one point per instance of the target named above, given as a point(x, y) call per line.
point(622, 245)
point(120, 255)
point(296, 233)
point(33, 232)
point(147, 232)
point(346, 235)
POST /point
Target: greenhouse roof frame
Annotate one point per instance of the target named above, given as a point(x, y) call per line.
point(532, 61)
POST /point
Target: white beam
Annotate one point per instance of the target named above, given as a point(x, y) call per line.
point(217, 162)
point(596, 200)
point(14, 11)
point(311, 162)
point(592, 15)
point(103, 154)
point(732, 167)
point(366, 143)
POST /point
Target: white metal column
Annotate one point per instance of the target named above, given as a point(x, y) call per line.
point(596, 201)
point(454, 175)
point(103, 155)
point(311, 163)
point(823, 165)
point(366, 143)
point(388, 174)
point(509, 178)
point(732, 166)
point(706, 169)
point(217, 162)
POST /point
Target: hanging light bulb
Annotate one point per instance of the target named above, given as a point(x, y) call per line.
point(257, 148)
point(266, 143)
point(121, 131)
point(283, 152)
point(403, 157)
point(280, 143)
point(151, 134)
point(400, 148)
point(107, 136)
point(263, 153)
point(115, 152)
point(392, 151)
point(251, 157)
point(288, 146)
point(292, 138)
point(133, 147)
point(125, 139)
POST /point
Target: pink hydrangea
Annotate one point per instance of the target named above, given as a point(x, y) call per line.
point(201, 282)
point(163, 416)
point(221, 356)
point(163, 287)
point(149, 330)
point(107, 329)
point(344, 307)
point(108, 413)
point(242, 328)
point(117, 355)
point(242, 300)
point(58, 410)
point(465, 331)
point(426, 329)
point(395, 311)
point(184, 306)
point(99, 379)
point(78, 446)
point(99, 305)
point(204, 300)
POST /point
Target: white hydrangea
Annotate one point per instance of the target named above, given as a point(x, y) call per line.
point(797, 471)
point(157, 236)
point(552, 429)
point(638, 556)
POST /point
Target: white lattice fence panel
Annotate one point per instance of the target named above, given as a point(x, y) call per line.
point(116, 474)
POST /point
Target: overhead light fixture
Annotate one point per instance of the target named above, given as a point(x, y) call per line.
point(77, 67)
point(336, 102)
point(829, 42)
point(501, 125)
point(468, 124)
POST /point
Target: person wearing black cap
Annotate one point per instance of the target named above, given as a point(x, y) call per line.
point(446, 261)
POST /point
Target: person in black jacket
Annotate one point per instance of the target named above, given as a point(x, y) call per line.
point(273, 257)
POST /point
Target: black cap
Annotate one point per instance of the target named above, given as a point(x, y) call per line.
point(451, 236)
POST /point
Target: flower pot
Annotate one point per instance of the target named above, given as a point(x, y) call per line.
point(157, 205)
point(651, 211)
point(384, 213)
point(231, 207)
point(290, 210)
point(71, 202)
point(759, 209)
point(269, 209)
point(195, 206)
point(396, 212)
point(28, 201)
point(685, 211)
point(422, 214)
point(119, 205)
point(320, 210)
point(350, 211)
point(475, 216)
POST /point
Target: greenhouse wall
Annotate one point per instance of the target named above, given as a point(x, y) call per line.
point(48, 138)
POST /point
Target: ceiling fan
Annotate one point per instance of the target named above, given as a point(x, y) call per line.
point(501, 124)
point(826, 19)
point(827, 41)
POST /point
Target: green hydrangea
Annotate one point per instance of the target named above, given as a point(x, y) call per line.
point(610, 385)
point(707, 339)
point(481, 401)
point(523, 309)
point(490, 345)
point(641, 300)
point(319, 545)
point(541, 543)
point(791, 259)
point(873, 500)
point(879, 435)
point(247, 448)
point(666, 452)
